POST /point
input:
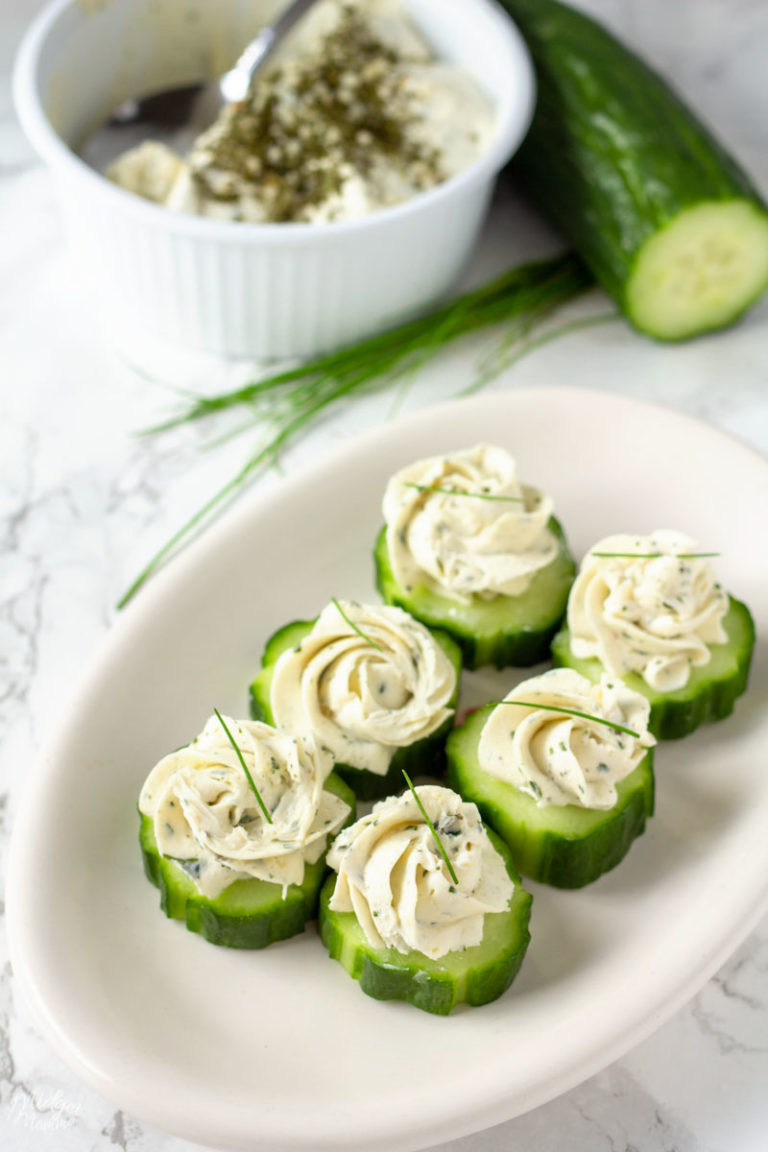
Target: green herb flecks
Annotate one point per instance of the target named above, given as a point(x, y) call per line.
point(240, 757)
point(430, 825)
point(461, 492)
point(284, 405)
point(571, 712)
point(355, 628)
point(303, 127)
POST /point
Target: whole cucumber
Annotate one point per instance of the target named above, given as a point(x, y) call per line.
point(668, 222)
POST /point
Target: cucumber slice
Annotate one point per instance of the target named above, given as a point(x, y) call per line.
point(566, 847)
point(711, 691)
point(506, 630)
point(425, 757)
point(701, 271)
point(661, 213)
point(247, 914)
point(475, 976)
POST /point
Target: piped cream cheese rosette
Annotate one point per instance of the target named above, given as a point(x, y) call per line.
point(392, 875)
point(463, 525)
point(649, 605)
point(561, 739)
point(562, 770)
point(650, 610)
point(207, 818)
point(365, 681)
point(469, 548)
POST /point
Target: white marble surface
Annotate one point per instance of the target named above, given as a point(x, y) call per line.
point(83, 502)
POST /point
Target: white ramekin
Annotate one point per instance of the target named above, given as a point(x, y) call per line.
point(250, 290)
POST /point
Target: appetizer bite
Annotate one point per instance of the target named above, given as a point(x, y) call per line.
point(235, 828)
point(373, 686)
point(649, 609)
point(470, 549)
point(562, 769)
point(426, 906)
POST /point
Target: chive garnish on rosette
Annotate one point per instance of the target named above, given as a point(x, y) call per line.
point(355, 627)
point(651, 610)
point(651, 555)
point(411, 924)
point(430, 825)
point(245, 767)
point(557, 753)
point(241, 873)
point(471, 548)
point(538, 704)
point(649, 605)
point(469, 495)
point(562, 769)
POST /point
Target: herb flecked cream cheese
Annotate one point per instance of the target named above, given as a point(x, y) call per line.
point(391, 874)
point(648, 604)
point(463, 525)
point(354, 114)
point(207, 818)
point(364, 682)
point(564, 740)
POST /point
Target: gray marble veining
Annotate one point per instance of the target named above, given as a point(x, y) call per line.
point(83, 503)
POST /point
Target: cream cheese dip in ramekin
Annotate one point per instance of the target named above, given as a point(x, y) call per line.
point(252, 289)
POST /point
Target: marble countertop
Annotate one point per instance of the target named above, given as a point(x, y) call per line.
point(84, 502)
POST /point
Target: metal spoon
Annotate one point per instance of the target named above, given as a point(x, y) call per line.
point(178, 115)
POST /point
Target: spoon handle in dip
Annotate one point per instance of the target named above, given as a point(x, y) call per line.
point(236, 84)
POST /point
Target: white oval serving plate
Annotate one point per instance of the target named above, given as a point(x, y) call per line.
point(279, 1049)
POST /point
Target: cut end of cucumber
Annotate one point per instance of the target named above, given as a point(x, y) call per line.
point(701, 271)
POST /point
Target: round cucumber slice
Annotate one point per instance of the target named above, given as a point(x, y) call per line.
point(475, 976)
point(247, 914)
point(425, 757)
point(711, 691)
point(566, 847)
point(506, 630)
point(701, 271)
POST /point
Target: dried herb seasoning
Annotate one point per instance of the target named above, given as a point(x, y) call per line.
point(311, 122)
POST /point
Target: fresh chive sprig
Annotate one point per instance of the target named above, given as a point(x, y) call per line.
point(571, 712)
point(461, 492)
point(654, 555)
point(529, 291)
point(241, 758)
point(286, 404)
point(355, 628)
point(433, 830)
